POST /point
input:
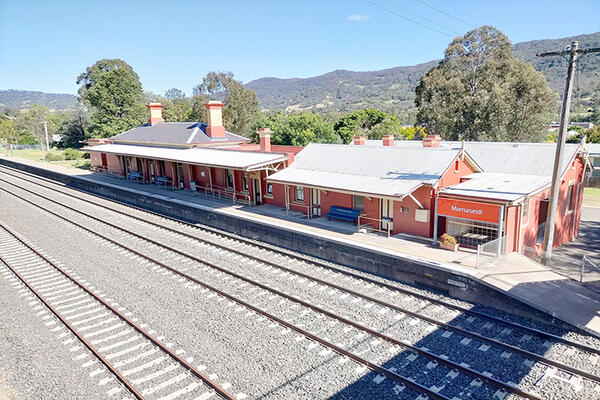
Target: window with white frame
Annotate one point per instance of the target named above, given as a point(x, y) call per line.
point(525, 212)
point(245, 182)
point(269, 188)
point(229, 178)
point(570, 206)
point(299, 193)
point(358, 203)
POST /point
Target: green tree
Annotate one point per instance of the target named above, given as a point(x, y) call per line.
point(113, 92)
point(29, 123)
point(592, 135)
point(412, 133)
point(74, 131)
point(8, 133)
point(296, 129)
point(241, 104)
point(480, 91)
point(370, 122)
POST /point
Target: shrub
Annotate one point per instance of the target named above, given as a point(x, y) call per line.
point(72, 154)
point(448, 240)
point(54, 157)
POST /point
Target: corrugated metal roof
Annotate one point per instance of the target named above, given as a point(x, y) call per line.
point(175, 133)
point(504, 157)
point(390, 171)
point(500, 186)
point(593, 149)
point(201, 156)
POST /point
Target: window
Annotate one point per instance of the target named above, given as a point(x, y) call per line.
point(406, 210)
point(525, 212)
point(229, 177)
point(358, 203)
point(456, 166)
point(245, 182)
point(299, 193)
point(269, 188)
point(570, 200)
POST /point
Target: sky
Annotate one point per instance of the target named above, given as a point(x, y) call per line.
point(45, 45)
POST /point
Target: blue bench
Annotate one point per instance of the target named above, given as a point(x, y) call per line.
point(343, 213)
point(135, 176)
point(162, 180)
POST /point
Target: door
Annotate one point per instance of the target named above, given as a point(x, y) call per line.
point(387, 213)
point(104, 160)
point(257, 192)
point(316, 202)
point(180, 176)
point(127, 166)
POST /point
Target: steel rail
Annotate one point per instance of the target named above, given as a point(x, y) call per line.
point(88, 345)
point(289, 253)
point(468, 371)
point(373, 366)
point(215, 386)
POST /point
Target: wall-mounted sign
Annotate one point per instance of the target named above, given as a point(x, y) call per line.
point(484, 212)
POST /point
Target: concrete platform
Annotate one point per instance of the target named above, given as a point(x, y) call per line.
point(514, 276)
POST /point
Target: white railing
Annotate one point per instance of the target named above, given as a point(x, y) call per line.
point(378, 222)
point(490, 251)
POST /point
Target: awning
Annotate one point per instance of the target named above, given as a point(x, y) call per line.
point(235, 159)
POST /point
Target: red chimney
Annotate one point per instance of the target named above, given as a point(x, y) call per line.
point(155, 113)
point(215, 128)
point(432, 141)
point(264, 135)
point(359, 140)
point(388, 140)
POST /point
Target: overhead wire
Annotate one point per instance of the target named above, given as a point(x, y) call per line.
point(422, 17)
point(445, 13)
point(408, 19)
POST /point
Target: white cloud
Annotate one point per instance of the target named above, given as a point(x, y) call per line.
point(358, 17)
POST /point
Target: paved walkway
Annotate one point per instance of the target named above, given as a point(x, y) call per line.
point(516, 275)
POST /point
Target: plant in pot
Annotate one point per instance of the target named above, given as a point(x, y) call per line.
point(448, 242)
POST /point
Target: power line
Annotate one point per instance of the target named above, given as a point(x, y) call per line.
point(408, 19)
point(420, 16)
point(445, 13)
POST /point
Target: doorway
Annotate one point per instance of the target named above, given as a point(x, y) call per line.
point(104, 160)
point(315, 202)
point(257, 192)
point(387, 214)
point(151, 169)
point(180, 182)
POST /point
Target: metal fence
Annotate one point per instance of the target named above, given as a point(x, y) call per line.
point(22, 146)
point(491, 251)
point(575, 267)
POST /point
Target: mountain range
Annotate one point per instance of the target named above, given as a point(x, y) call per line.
point(393, 89)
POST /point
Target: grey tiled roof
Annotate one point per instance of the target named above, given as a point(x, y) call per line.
point(174, 133)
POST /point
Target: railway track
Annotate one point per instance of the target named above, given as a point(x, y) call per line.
point(481, 376)
point(123, 347)
point(500, 388)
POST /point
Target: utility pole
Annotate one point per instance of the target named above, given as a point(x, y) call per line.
point(46, 131)
point(574, 53)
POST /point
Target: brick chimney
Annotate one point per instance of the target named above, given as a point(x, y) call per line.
point(432, 141)
point(215, 128)
point(155, 113)
point(264, 135)
point(388, 140)
point(359, 140)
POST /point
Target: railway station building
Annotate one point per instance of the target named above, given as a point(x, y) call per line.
point(478, 192)
point(193, 155)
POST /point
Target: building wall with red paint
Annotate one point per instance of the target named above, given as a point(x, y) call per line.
point(114, 164)
point(405, 222)
point(96, 160)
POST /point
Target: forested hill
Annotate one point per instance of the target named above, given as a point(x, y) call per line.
point(393, 89)
point(21, 99)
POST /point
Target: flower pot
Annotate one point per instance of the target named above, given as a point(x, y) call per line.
point(451, 247)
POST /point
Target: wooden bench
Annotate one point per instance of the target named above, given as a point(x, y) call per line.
point(343, 213)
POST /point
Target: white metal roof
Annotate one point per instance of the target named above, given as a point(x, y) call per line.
point(593, 149)
point(390, 171)
point(202, 156)
point(504, 157)
point(500, 186)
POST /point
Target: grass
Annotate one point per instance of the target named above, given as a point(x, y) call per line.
point(38, 155)
point(591, 197)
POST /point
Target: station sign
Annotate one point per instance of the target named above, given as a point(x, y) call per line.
point(484, 212)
